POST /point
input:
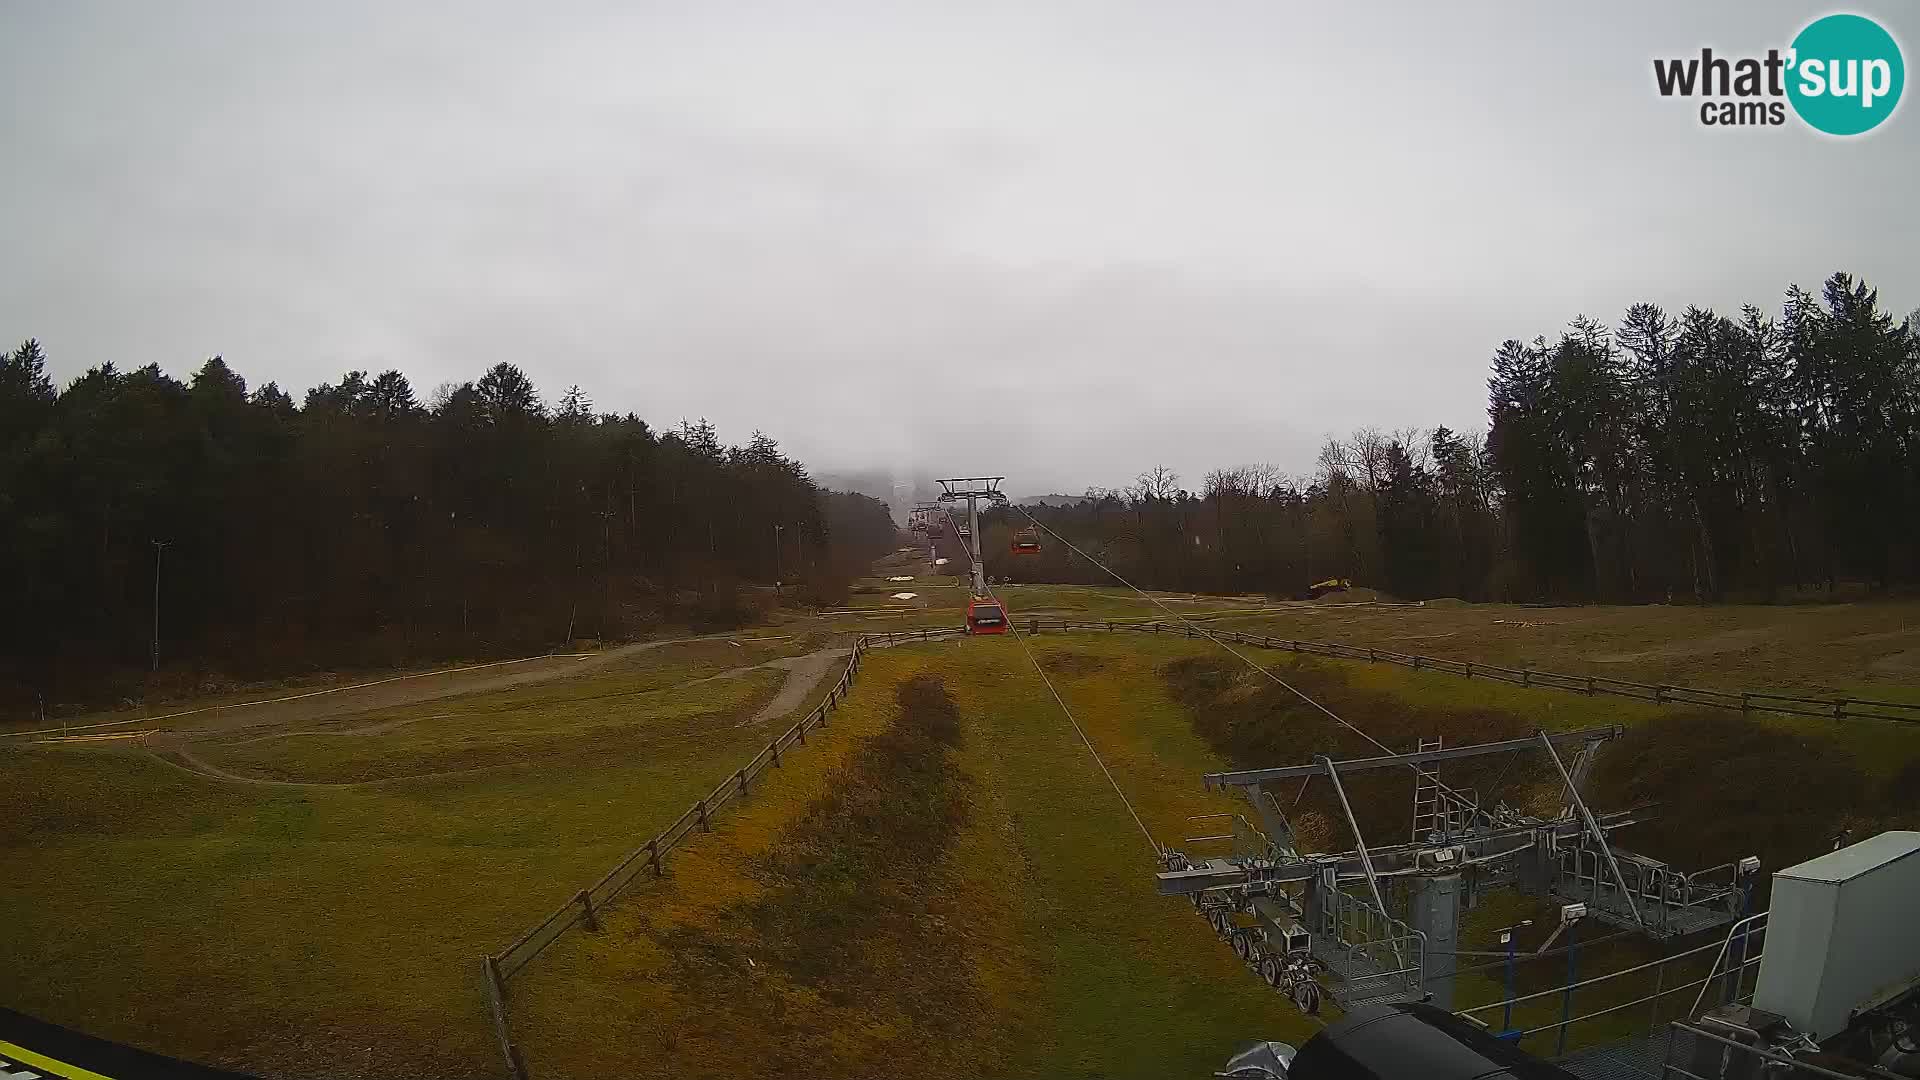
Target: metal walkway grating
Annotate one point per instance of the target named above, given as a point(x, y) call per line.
point(1642, 1057)
point(1663, 920)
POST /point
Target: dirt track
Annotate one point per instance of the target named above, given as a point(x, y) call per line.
point(174, 747)
point(310, 706)
point(803, 674)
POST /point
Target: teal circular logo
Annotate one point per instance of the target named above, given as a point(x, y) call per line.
point(1845, 75)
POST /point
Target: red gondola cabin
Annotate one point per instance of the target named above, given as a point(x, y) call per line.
point(986, 617)
point(1026, 542)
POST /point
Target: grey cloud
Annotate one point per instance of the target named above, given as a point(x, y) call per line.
point(1063, 241)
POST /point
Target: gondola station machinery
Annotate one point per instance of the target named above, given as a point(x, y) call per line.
point(1376, 930)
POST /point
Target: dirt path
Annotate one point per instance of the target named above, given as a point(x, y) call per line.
point(369, 729)
point(803, 674)
point(179, 757)
point(175, 748)
point(185, 760)
point(385, 693)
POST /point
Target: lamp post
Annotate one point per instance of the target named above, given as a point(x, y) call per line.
point(776, 558)
point(158, 546)
point(1570, 916)
point(1506, 938)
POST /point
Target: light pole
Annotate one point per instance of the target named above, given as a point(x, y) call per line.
point(1506, 938)
point(776, 558)
point(158, 546)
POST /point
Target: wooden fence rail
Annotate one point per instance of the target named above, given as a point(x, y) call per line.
point(1746, 701)
point(650, 858)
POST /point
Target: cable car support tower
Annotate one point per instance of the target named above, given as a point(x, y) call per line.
point(974, 490)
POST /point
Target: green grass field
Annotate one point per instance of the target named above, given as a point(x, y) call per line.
point(1073, 966)
point(1111, 979)
point(328, 931)
point(335, 928)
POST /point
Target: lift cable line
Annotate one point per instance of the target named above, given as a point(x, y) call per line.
point(1296, 691)
point(1302, 923)
point(1204, 632)
point(1058, 700)
point(1078, 730)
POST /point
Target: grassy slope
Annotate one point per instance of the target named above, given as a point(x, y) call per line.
point(764, 641)
point(1046, 902)
point(1095, 976)
point(633, 711)
point(338, 929)
point(651, 995)
point(946, 606)
point(1132, 984)
point(1724, 787)
point(1868, 649)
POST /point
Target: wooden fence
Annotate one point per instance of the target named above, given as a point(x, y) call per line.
point(1746, 701)
point(649, 859)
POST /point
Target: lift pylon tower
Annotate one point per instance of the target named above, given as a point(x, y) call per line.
point(974, 490)
point(1382, 923)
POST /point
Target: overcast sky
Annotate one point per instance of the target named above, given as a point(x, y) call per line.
point(1057, 241)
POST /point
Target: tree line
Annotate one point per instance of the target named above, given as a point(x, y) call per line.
point(361, 525)
point(1697, 457)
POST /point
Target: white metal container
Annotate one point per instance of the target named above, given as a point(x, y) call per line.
point(1843, 933)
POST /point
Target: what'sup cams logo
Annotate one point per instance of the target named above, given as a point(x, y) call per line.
point(1842, 75)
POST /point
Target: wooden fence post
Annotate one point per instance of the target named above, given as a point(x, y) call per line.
point(1526, 676)
point(1589, 686)
point(587, 918)
point(653, 857)
point(1416, 662)
point(775, 747)
point(1469, 669)
point(497, 994)
point(740, 776)
point(705, 825)
point(1839, 708)
point(1746, 703)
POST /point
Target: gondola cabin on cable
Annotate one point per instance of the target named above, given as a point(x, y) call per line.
point(986, 616)
point(1026, 542)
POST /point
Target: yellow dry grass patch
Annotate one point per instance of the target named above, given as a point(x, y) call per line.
point(1062, 960)
point(618, 1003)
